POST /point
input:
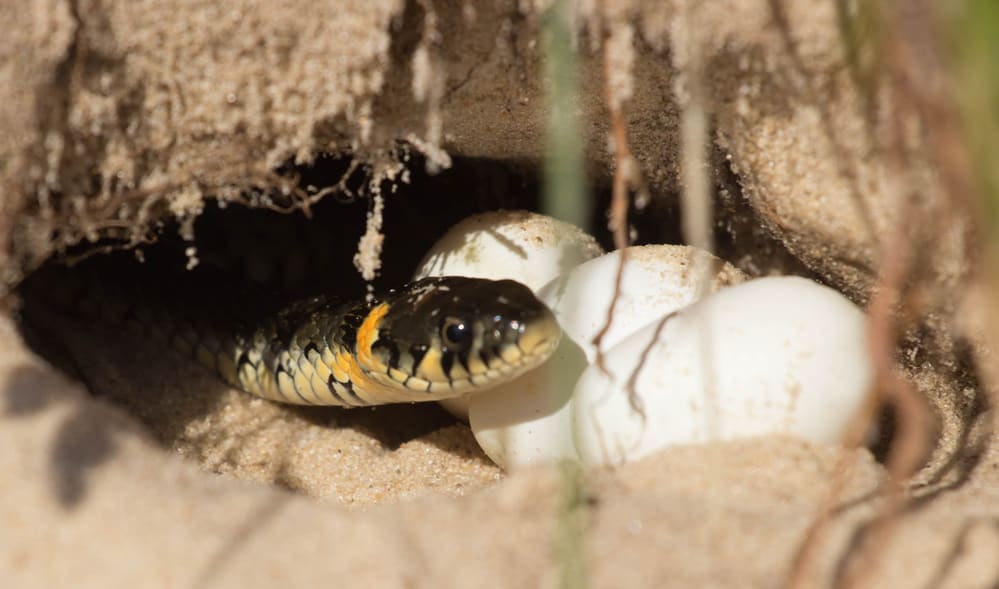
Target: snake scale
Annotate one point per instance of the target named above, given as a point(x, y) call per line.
point(431, 339)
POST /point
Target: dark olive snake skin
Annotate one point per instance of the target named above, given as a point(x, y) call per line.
point(432, 339)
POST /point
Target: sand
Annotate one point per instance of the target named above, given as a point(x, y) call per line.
point(91, 498)
point(138, 470)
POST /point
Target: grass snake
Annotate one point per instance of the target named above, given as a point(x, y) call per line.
point(431, 339)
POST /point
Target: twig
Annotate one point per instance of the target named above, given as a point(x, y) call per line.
point(914, 58)
point(618, 221)
point(918, 81)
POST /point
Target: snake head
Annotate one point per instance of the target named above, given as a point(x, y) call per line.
point(447, 336)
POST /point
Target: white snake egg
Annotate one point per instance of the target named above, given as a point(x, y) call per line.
point(530, 420)
point(780, 355)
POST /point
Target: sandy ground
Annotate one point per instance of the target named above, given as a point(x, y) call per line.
point(93, 499)
point(114, 115)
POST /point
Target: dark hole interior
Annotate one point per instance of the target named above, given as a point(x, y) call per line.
point(259, 259)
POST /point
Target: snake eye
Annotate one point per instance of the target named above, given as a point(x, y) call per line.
point(455, 333)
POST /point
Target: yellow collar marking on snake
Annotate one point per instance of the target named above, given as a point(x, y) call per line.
point(367, 334)
point(360, 380)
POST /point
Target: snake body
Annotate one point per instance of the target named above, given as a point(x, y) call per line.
point(432, 339)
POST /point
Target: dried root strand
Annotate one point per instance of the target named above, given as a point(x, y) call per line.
point(623, 172)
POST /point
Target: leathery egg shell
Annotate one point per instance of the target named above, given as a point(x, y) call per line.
point(529, 420)
point(527, 247)
point(780, 355)
point(523, 246)
point(655, 280)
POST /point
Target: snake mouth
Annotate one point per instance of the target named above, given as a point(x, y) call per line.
point(539, 340)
